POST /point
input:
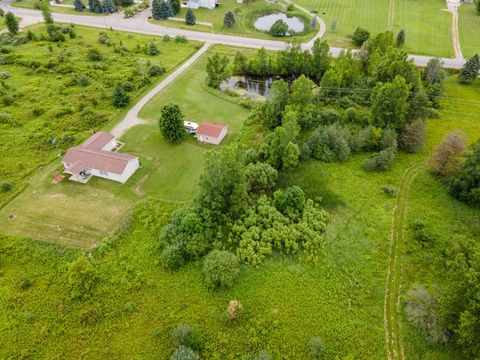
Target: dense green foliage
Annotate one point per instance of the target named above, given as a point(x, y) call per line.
point(470, 70)
point(465, 185)
point(190, 17)
point(217, 70)
point(171, 123)
point(229, 19)
point(360, 36)
point(220, 269)
point(279, 28)
point(12, 23)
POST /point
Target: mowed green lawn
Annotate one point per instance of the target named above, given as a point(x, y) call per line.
point(348, 15)
point(82, 214)
point(469, 27)
point(245, 16)
point(427, 27)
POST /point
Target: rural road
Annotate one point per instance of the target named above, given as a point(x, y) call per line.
point(132, 118)
point(139, 24)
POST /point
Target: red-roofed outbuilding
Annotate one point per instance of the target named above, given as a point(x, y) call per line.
point(211, 133)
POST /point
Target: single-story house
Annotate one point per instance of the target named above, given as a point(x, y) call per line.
point(211, 133)
point(195, 4)
point(97, 157)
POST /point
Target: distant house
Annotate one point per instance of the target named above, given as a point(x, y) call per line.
point(195, 4)
point(211, 133)
point(97, 157)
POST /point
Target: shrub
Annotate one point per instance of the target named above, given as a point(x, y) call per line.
point(329, 143)
point(120, 97)
point(261, 177)
point(81, 278)
point(94, 55)
point(422, 312)
point(234, 310)
point(83, 80)
point(155, 70)
point(389, 190)
point(380, 161)
point(128, 86)
point(360, 36)
point(172, 257)
point(104, 39)
point(290, 201)
point(91, 314)
point(220, 269)
point(185, 353)
point(153, 49)
point(5, 186)
point(185, 335)
point(180, 39)
point(421, 233)
point(4, 75)
point(316, 347)
point(25, 283)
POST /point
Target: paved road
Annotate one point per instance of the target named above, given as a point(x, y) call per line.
point(139, 24)
point(132, 118)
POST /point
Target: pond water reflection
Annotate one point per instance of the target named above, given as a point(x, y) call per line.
point(294, 23)
point(248, 86)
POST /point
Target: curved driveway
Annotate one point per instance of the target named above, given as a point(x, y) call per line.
point(139, 24)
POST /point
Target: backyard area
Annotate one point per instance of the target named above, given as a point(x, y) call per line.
point(35, 4)
point(168, 172)
point(245, 16)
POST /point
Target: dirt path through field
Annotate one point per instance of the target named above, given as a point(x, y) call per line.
point(391, 15)
point(453, 9)
point(393, 286)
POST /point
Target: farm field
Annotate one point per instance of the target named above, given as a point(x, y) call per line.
point(168, 172)
point(469, 23)
point(58, 93)
point(136, 303)
point(427, 27)
point(245, 16)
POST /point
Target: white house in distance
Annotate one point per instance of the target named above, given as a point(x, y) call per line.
point(195, 4)
point(211, 133)
point(97, 157)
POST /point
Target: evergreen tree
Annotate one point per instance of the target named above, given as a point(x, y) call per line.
point(190, 17)
point(478, 7)
point(169, 8)
point(90, 5)
point(400, 39)
point(78, 4)
point(12, 23)
point(108, 7)
point(156, 9)
point(96, 7)
point(120, 97)
point(229, 19)
point(153, 49)
point(175, 6)
point(469, 71)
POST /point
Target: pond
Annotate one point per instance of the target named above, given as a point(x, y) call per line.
point(248, 86)
point(294, 23)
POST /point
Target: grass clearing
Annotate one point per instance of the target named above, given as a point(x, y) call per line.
point(427, 27)
point(34, 4)
point(245, 16)
point(86, 213)
point(469, 23)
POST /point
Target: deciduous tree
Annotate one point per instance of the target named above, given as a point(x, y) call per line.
point(465, 185)
point(171, 123)
point(12, 23)
point(217, 70)
point(447, 155)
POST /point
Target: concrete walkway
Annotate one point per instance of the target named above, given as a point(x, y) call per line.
point(132, 118)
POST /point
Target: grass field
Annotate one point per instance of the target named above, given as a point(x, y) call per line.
point(427, 27)
point(469, 23)
point(46, 101)
point(245, 16)
point(348, 15)
point(2, 23)
point(169, 172)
